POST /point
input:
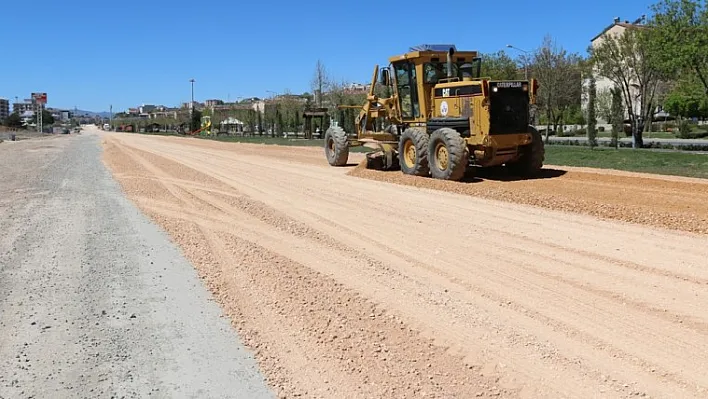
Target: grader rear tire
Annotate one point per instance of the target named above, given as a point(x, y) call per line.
point(532, 157)
point(336, 146)
point(413, 152)
point(448, 154)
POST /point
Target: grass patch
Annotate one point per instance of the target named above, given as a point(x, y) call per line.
point(646, 135)
point(266, 140)
point(647, 161)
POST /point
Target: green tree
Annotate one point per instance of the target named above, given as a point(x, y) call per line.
point(678, 39)
point(603, 104)
point(617, 118)
point(592, 120)
point(196, 122)
point(683, 106)
point(338, 95)
point(499, 66)
point(13, 120)
point(251, 120)
point(574, 116)
point(623, 60)
point(687, 99)
point(559, 74)
point(279, 121)
point(47, 118)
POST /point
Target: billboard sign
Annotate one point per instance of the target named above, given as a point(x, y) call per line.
point(40, 98)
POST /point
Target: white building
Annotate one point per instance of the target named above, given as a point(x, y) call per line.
point(603, 84)
point(20, 107)
point(258, 106)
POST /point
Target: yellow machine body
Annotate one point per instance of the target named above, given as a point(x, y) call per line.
point(468, 104)
point(438, 92)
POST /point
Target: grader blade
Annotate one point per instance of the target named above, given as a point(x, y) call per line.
point(385, 158)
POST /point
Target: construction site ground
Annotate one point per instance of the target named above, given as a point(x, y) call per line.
point(347, 282)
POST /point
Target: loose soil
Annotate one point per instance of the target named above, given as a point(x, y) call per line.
point(580, 284)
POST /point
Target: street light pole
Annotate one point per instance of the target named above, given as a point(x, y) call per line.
point(191, 104)
point(526, 65)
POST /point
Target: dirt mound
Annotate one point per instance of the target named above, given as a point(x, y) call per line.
point(665, 203)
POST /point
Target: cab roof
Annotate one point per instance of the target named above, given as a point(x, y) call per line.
point(433, 50)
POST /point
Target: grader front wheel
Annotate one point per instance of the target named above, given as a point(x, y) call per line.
point(413, 152)
point(336, 146)
point(448, 154)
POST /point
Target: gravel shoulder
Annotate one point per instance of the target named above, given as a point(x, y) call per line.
point(95, 301)
point(346, 285)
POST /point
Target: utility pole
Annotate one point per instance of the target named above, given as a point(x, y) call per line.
point(191, 104)
point(526, 65)
point(39, 117)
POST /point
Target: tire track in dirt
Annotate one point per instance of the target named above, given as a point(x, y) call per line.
point(355, 346)
point(515, 298)
point(302, 231)
point(304, 234)
point(460, 384)
point(557, 275)
point(590, 259)
point(524, 311)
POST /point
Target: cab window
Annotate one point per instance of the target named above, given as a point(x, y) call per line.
point(407, 89)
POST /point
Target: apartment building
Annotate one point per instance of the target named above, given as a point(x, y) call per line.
point(24, 106)
point(4, 108)
point(213, 103)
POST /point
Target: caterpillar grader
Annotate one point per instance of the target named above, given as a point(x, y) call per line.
point(442, 119)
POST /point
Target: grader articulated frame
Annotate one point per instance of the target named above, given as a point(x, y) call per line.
point(383, 142)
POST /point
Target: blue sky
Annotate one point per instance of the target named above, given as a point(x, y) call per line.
point(93, 54)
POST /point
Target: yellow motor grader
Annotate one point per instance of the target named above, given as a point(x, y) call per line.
point(442, 119)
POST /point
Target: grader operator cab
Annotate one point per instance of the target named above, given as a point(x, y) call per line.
point(442, 118)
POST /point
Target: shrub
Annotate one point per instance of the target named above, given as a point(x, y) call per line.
point(684, 129)
point(572, 133)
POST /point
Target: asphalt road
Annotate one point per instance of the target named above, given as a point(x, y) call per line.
point(95, 300)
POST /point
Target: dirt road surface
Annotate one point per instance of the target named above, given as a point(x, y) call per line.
point(348, 285)
point(95, 301)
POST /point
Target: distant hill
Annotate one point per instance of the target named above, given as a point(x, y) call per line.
point(90, 114)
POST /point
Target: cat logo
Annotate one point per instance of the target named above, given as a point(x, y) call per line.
point(446, 92)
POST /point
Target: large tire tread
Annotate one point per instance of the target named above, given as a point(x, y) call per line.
point(340, 155)
point(420, 140)
point(458, 154)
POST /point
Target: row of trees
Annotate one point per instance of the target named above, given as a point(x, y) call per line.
point(14, 120)
point(279, 115)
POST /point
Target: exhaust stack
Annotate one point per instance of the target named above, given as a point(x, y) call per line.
point(449, 61)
